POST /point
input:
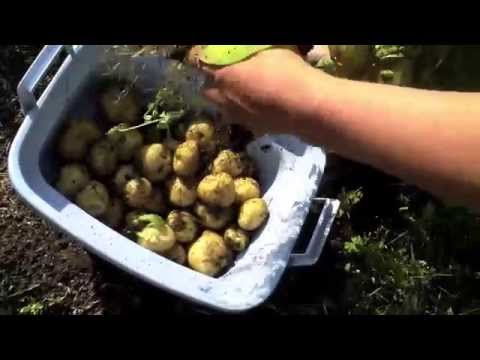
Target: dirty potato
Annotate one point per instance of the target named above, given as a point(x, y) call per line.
point(186, 160)
point(121, 105)
point(213, 217)
point(182, 192)
point(217, 190)
point(77, 137)
point(155, 161)
point(202, 131)
point(246, 188)
point(253, 214)
point(124, 174)
point(209, 254)
point(228, 162)
point(156, 239)
point(177, 254)
point(73, 178)
point(127, 142)
point(236, 238)
point(184, 225)
point(94, 198)
point(137, 192)
point(103, 158)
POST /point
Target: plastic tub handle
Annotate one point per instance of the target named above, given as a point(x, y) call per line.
point(36, 72)
point(320, 234)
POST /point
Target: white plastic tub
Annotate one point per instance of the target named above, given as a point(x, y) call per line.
point(290, 173)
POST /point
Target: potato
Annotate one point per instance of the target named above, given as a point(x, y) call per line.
point(114, 215)
point(156, 239)
point(213, 217)
point(184, 225)
point(228, 162)
point(72, 179)
point(236, 238)
point(76, 139)
point(126, 143)
point(155, 202)
point(209, 254)
point(253, 213)
point(124, 174)
point(120, 105)
point(177, 253)
point(137, 192)
point(246, 188)
point(181, 192)
point(217, 190)
point(94, 198)
point(155, 161)
point(103, 158)
point(186, 159)
point(202, 131)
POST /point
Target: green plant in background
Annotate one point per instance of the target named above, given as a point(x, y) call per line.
point(354, 246)
point(429, 267)
point(34, 308)
point(386, 279)
point(389, 52)
point(442, 67)
point(348, 199)
point(456, 229)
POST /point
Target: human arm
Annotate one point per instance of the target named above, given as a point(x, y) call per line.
point(428, 138)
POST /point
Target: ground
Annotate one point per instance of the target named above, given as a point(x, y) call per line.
point(393, 249)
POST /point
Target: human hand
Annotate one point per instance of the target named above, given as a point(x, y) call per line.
point(266, 93)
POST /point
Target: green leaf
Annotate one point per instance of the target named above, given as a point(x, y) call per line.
point(223, 55)
point(32, 309)
point(152, 220)
point(354, 245)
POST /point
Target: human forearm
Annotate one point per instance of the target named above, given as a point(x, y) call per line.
point(431, 139)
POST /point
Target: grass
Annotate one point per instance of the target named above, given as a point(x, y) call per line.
point(426, 266)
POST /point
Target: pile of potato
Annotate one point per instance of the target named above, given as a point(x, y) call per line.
point(191, 198)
